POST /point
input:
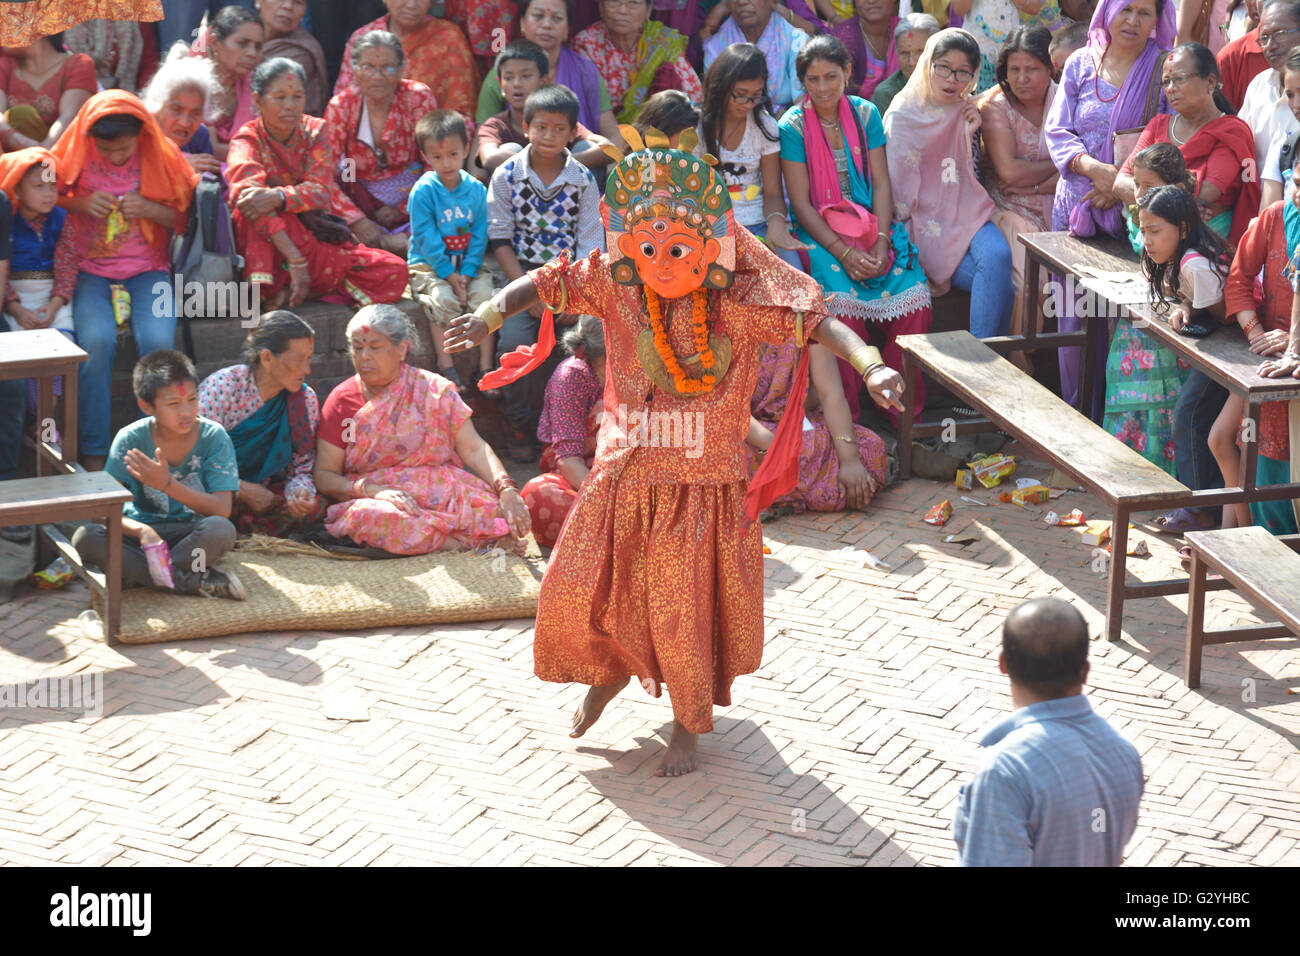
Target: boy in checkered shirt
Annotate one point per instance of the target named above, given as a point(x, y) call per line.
point(449, 235)
point(541, 202)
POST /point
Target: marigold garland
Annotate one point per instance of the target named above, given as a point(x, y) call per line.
point(700, 317)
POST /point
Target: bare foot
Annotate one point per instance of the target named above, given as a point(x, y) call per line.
point(680, 758)
point(593, 705)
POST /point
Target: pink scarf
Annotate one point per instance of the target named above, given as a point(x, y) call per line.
point(932, 171)
point(823, 177)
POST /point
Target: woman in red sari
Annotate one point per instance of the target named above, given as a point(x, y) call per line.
point(281, 171)
point(1215, 145)
point(437, 54)
point(379, 160)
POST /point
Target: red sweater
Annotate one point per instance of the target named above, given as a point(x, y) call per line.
point(1240, 62)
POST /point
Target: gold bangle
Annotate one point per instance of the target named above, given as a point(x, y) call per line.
point(846, 438)
point(492, 316)
point(865, 359)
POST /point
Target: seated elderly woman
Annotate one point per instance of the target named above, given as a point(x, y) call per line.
point(571, 417)
point(397, 450)
point(636, 56)
point(180, 96)
point(842, 464)
point(371, 127)
point(233, 42)
point(437, 54)
point(270, 413)
point(286, 37)
point(41, 89)
point(285, 206)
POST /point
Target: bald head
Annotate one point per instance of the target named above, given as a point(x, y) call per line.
point(1045, 647)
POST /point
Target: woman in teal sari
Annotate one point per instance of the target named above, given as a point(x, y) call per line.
point(270, 413)
point(830, 166)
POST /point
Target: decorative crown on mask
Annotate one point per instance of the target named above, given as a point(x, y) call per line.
point(657, 182)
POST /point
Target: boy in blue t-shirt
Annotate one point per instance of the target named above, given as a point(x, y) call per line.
point(181, 470)
point(448, 209)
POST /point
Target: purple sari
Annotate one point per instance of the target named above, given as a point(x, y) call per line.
point(581, 76)
point(1065, 136)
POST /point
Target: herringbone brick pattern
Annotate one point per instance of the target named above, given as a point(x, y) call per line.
point(848, 747)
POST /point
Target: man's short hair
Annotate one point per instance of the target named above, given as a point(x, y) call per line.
point(551, 98)
point(159, 369)
point(524, 50)
point(1045, 646)
point(439, 125)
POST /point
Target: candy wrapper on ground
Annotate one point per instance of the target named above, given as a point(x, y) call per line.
point(1073, 520)
point(1034, 494)
point(54, 577)
point(939, 514)
point(990, 471)
point(965, 480)
point(1138, 549)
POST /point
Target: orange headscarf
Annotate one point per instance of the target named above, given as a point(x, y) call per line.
point(14, 166)
point(165, 176)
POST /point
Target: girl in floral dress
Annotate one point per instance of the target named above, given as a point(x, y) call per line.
point(1143, 377)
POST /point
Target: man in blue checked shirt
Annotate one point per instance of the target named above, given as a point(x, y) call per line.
point(1058, 786)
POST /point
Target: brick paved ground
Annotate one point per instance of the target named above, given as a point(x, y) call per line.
point(847, 747)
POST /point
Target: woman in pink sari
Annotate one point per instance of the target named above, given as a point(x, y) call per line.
point(841, 464)
point(397, 451)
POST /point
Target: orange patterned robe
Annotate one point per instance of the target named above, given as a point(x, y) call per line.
point(653, 575)
point(22, 24)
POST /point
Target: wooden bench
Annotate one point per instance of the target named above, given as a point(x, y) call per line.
point(1262, 566)
point(1015, 403)
point(79, 496)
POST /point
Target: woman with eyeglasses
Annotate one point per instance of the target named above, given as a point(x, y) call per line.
point(1264, 106)
point(930, 126)
point(837, 175)
point(435, 53)
point(736, 127)
point(1110, 86)
point(371, 127)
point(1215, 145)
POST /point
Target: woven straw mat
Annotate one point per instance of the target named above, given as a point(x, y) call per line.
point(291, 589)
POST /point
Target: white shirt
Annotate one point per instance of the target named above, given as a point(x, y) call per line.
point(741, 168)
point(1199, 282)
point(1266, 112)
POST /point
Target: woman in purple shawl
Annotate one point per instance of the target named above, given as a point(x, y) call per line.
point(1104, 89)
point(547, 23)
point(870, 40)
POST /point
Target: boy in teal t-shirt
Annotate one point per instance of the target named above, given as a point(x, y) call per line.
point(181, 471)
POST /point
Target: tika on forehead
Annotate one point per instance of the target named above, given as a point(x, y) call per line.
point(661, 187)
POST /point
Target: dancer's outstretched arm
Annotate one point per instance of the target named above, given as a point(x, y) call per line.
point(468, 330)
point(884, 384)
